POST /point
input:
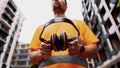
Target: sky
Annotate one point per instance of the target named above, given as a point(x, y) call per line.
point(37, 12)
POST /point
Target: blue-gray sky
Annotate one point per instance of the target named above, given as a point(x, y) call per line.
point(38, 12)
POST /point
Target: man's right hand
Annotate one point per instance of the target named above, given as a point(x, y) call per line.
point(45, 50)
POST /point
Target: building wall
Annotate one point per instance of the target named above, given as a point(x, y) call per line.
point(21, 56)
point(10, 26)
point(4, 25)
point(103, 17)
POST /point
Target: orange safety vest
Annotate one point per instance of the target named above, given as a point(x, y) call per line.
point(62, 59)
point(85, 34)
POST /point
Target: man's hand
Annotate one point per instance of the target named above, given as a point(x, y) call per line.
point(74, 48)
point(45, 50)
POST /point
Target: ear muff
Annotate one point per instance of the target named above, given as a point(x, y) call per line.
point(63, 40)
point(54, 40)
point(59, 43)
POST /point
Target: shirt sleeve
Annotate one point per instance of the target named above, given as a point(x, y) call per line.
point(88, 36)
point(35, 42)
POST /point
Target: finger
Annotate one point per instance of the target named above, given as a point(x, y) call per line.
point(72, 48)
point(45, 53)
point(46, 50)
point(46, 57)
point(80, 41)
point(73, 53)
point(76, 43)
point(46, 46)
point(73, 43)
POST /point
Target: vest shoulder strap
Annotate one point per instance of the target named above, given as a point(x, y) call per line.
point(63, 59)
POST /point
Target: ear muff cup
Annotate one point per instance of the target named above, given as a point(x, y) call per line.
point(63, 40)
point(58, 43)
point(54, 40)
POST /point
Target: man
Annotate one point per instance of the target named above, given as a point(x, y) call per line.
point(42, 52)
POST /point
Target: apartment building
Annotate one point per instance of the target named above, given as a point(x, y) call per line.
point(103, 17)
point(10, 26)
point(21, 56)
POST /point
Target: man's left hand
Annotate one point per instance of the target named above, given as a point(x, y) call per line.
point(74, 48)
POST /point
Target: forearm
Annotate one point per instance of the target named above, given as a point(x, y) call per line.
point(90, 51)
point(36, 57)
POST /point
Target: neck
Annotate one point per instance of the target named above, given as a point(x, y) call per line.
point(57, 15)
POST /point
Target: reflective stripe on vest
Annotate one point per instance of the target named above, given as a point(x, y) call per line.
point(62, 59)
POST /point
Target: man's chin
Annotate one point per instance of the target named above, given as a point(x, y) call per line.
point(58, 10)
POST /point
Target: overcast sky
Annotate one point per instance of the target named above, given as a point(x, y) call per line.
point(38, 12)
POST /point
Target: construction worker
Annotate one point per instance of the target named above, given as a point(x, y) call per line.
point(79, 42)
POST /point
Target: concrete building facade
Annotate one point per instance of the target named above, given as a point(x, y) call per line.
point(103, 17)
point(11, 20)
point(21, 56)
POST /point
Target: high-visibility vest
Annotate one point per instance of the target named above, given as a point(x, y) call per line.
point(63, 59)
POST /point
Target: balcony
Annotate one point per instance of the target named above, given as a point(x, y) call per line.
point(12, 5)
point(1, 45)
point(24, 54)
point(20, 66)
point(7, 25)
point(7, 18)
point(8, 11)
point(2, 41)
point(20, 60)
point(111, 63)
point(3, 31)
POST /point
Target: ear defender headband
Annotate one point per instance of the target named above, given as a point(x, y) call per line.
point(59, 43)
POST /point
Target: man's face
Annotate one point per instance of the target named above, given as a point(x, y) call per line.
point(59, 6)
